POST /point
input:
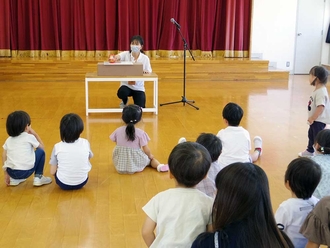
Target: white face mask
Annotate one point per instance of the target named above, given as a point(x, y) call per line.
point(135, 48)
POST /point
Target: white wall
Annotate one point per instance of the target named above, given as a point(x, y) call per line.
point(325, 59)
point(273, 32)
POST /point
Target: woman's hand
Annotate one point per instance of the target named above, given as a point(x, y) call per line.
point(114, 58)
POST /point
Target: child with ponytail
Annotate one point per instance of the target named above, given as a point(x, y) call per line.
point(132, 153)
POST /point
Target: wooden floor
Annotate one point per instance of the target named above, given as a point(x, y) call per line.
point(107, 211)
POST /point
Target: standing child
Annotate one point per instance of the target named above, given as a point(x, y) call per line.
point(322, 157)
point(178, 215)
point(316, 227)
point(301, 178)
point(213, 144)
point(236, 143)
point(134, 88)
point(70, 157)
point(318, 107)
point(23, 152)
point(132, 153)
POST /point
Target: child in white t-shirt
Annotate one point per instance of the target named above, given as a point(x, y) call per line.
point(131, 153)
point(23, 152)
point(318, 107)
point(301, 178)
point(236, 143)
point(70, 157)
point(180, 214)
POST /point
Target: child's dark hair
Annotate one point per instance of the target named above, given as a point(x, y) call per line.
point(323, 140)
point(189, 163)
point(139, 39)
point(131, 115)
point(212, 143)
point(71, 126)
point(233, 113)
point(17, 122)
point(320, 72)
point(243, 200)
point(303, 175)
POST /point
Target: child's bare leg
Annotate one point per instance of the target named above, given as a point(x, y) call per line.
point(255, 155)
point(257, 148)
point(154, 163)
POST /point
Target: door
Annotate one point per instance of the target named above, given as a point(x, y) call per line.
point(309, 35)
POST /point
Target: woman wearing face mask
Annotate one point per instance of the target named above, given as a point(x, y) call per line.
point(134, 88)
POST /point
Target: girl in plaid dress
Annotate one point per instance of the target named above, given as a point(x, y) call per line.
point(131, 153)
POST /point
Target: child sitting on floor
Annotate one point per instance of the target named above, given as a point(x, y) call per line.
point(316, 227)
point(23, 152)
point(236, 143)
point(70, 157)
point(213, 144)
point(322, 157)
point(132, 153)
point(301, 178)
point(178, 215)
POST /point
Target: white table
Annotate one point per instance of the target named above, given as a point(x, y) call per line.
point(93, 77)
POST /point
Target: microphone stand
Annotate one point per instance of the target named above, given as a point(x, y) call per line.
point(183, 98)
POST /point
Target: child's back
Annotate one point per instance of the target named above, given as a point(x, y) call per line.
point(214, 146)
point(236, 145)
point(322, 157)
point(128, 157)
point(131, 153)
point(323, 189)
point(181, 215)
point(301, 178)
point(316, 227)
point(72, 160)
point(291, 214)
point(178, 215)
point(23, 152)
point(70, 157)
point(236, 142)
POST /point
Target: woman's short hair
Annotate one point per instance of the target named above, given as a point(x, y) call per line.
point(71, 126)
point(17, 122)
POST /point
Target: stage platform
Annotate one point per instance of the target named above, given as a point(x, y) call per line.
point(167, 69)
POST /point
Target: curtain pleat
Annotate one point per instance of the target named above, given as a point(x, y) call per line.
point(100, 27)
point(5, 27)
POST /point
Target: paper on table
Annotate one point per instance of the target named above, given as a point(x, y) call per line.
point(118, 63)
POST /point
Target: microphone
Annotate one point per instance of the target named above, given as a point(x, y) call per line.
point(175, 23)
